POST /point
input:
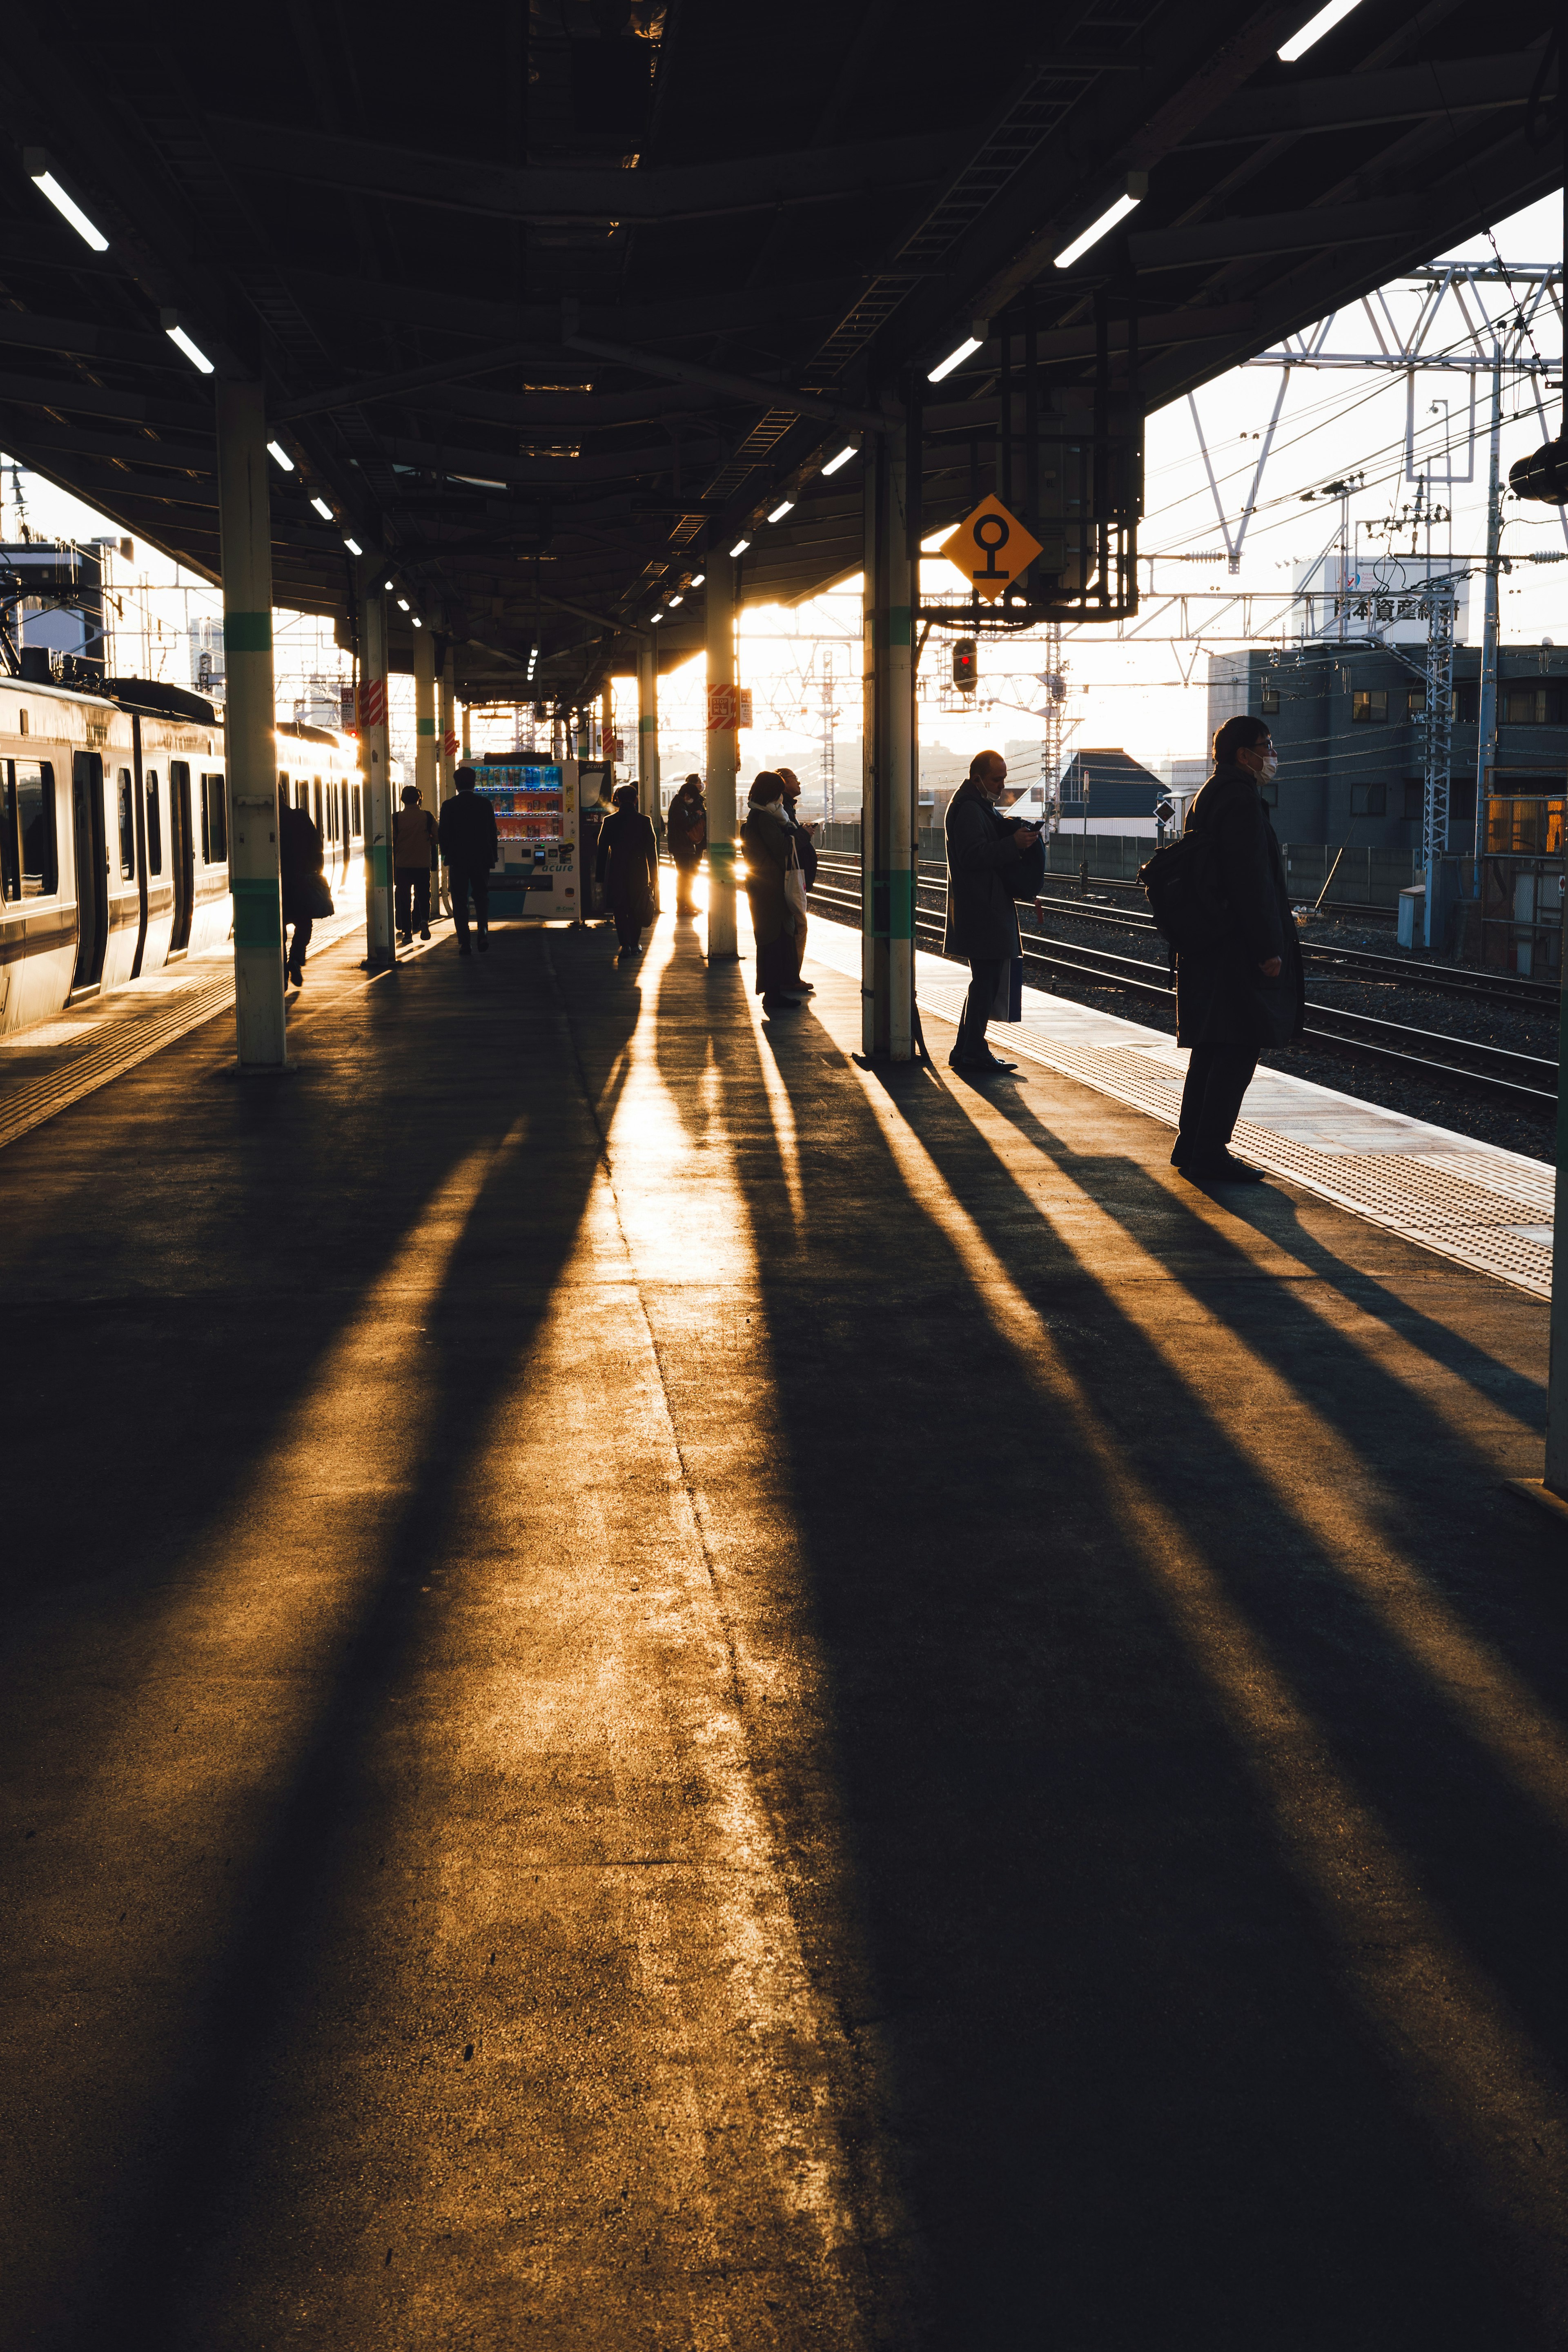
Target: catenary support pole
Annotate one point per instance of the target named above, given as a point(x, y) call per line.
point(889, 813)
point(375, 767)
point(1486, 711)
point(647, 724)
point(246, 528)
point(1557, 1375)
point(723, 939)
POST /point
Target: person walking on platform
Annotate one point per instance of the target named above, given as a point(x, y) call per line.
point(301, 872)
point(772, 867)
point(806, 851)
point(471, 846)
point(1248, 989)
point(413, 837)
point(990, 863)
point(686, 830)
point(628, 869)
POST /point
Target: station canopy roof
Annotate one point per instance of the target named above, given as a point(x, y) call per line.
point(549, 301)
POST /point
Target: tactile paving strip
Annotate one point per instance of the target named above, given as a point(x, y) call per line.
point(36, 1097)
point(1435, 1199)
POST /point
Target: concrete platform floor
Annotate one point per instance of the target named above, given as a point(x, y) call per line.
point(662, 1691)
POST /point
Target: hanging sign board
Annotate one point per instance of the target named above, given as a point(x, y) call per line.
point(992, 548)
point(729, 707)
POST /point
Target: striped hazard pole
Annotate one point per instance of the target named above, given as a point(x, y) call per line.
point(374, 754)
point(246, 532)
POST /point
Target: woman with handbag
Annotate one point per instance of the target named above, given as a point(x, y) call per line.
point(628, 869)
point(776, 890)
point(305, 892)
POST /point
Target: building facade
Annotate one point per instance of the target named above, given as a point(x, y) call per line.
point(1351, 752)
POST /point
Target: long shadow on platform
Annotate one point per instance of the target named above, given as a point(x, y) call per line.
point(365, 1141)
point(1142, 2101)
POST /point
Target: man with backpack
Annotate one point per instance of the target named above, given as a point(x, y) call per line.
point(1218, 894)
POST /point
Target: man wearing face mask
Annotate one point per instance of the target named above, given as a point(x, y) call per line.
point(1248, 989)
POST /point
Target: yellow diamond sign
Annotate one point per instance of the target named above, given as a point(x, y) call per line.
point(992, 548)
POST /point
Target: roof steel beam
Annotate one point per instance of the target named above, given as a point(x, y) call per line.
point(1407, 94)
point(1392, 219)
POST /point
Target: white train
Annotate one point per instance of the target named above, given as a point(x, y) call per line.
point(114, 834)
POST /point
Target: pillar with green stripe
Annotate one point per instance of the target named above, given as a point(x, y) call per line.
point(245, 525)
point(375, 767)
point(647, 725)
point(723, 747)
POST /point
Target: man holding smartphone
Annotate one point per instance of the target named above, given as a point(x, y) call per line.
point(992, 863)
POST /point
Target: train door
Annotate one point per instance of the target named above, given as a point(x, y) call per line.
point(91, 869)
point(139, 805)
point(183, 848)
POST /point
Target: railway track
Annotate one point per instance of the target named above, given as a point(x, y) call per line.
point(1351, 962)
point(1524, 1079)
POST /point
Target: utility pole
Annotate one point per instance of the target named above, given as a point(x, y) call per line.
point(1439, 726)
point(1485, 714)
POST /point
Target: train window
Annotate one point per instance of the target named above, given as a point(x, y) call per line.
point(214, 818)
point(1414, 798)
point(206, 828)
point(358, 820)
point(30, 822)
point(10, 847)
point(154, 825)
point(127, 811)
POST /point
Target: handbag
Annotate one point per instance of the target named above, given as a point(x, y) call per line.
point(316, 893)
point(795, 884)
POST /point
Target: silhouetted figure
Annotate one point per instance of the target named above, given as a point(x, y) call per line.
point(300, 870)
point(990, 863)
point(413, 838)
point(470, 846)
point(768, 840)
point(628, 869)
point(805, 852)
point(1250, 988)
point(686, 830)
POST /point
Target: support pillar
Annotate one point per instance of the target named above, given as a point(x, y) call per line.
point(647, 725)
point(448, 735)
point(890, 852)
point(375, 753)
point(723, 944)
point(465, 717)
point(607, 727)
point(246, 527)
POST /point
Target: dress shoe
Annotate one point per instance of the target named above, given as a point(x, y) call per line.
point(781, 1005)
point(1220, 1168)
point(464, 949)
point(484, 942)
point(426, 932)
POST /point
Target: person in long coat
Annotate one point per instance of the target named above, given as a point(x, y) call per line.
point(991, 865)
point(1249, 990)
point(767, 840)
point(627, 869)
point(686, 830)
point(805, 852)
point(300, 861)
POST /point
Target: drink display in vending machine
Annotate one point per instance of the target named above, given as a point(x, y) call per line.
point(535, 805)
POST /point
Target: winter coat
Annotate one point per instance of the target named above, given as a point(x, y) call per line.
point(413, 839)
point(686, 829)
point(1222, 997)
point(805, 847)
point(467, 833)
point(986, 871)
point(627, 863)
point(298, 856)
point(766, 839)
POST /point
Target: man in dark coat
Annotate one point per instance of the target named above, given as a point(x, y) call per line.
point(628, 869)
point(801, 830)
point(300, 861)
point(1250, 988)
point(469, 846)
point(990, 865)
point(686, 830)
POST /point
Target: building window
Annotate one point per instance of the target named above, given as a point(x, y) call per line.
point(1530, 706)
point(1467, 703)
point(154, 825)
point(28, 863)
point(1369, 705)
point(127, 808)
point(1414, 799)
point(1369, 800)
point(1269, 706)
point(1415, 702)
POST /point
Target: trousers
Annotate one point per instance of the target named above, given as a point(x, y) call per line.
point(463, 879)
point(685, 889)
point(1217, 1079)
point(411, 891)
point(294, 953)
point(985, 974)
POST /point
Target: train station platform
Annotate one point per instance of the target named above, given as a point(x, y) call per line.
point(664, 1690)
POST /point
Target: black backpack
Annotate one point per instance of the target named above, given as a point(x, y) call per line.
point(1182, 883)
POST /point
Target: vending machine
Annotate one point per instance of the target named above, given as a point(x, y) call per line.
point(539, 873)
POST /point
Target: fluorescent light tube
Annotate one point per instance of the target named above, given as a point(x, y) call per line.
point(698, 578)
point(842, 459)
point(1102, 228)
point(675, 601)
point(68, 209)
point(193, 351)
point(953, 359)
point(280, 456)
point(353, 547)
point(403, 603)
point(323, 510)
point(654, 619)
point(417, 622)
point(1315, 27)
point(740, 547)
point(786, 505)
